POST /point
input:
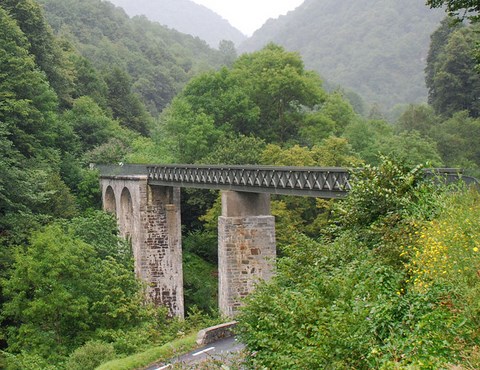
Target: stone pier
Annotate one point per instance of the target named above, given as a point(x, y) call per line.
point(246, 247)
point(149, 216)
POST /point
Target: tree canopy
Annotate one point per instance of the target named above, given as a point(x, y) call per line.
point(461, 8)
point(64, 289)
point(158, 61)
point(42, 45)
point(267, 94)
point(452, 80)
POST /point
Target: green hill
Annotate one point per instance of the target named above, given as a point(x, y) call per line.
point(377, 48)
point(158, 60)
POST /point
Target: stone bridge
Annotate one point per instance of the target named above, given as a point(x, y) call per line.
point(146, 202)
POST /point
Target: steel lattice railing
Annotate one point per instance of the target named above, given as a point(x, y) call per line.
point(308, 181)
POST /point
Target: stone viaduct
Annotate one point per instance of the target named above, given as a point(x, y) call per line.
point(146, 202)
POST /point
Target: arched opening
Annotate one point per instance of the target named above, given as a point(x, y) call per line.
point(109, 201)
point(126, 217)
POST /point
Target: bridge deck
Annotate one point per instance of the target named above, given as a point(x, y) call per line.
point(305, 181)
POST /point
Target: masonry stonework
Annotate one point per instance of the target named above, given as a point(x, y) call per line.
point(162, 257)
point(246, 247)
point(149, 216)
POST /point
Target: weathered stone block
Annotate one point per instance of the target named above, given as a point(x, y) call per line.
point(243, 261)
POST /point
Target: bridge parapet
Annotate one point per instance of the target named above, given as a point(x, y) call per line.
point(321, 182)
point(120, 170)
point(304, 181)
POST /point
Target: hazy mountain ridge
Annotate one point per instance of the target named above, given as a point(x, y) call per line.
point(377, 48)
point(185, 16)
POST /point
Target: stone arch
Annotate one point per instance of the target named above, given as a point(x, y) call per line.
point(109, 201)
point(126, 214)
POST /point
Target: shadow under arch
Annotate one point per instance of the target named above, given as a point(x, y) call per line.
point(110, 203)
point(126, 214)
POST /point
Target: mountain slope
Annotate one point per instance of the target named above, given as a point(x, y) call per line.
point(185, 16)
point(375, 47)
point(158, 60)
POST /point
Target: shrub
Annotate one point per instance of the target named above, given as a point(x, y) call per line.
point(386, 206)
point(448, 248)
point(90, 355)
point(362, 299)
point(27, 361)
point(327, 307)
point(380, 195)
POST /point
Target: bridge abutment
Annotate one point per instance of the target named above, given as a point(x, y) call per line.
point(149, 216)
point(246, 247)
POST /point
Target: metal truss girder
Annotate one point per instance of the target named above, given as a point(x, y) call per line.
point(306, 181)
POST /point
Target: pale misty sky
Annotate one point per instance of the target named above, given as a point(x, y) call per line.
point(249, 15)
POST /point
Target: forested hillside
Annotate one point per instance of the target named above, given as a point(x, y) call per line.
point(66, 278)
point(376, 48)
point(157, 60)
point(185, 16)
point(387, 278)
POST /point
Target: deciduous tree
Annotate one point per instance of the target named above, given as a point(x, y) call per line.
point(48, 55)
point(278, 83)
point(461, 8)
point(452, 81)
point(66, 286)
point(126, 106)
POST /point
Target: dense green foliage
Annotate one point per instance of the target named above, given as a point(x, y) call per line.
point(60, 291)
point(204, 122)
point(353, 299)
point(29, 132)
point(266, 94)
point(41, 44)
point(376, 48)
point(66, 279)
point(72, 283)
point(356, 286)
point(452, 81)
point(460, 8)
point(158, 60)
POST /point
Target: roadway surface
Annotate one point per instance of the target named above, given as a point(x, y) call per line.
point(218, 350)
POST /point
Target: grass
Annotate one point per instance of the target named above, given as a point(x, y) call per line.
point(155, 354)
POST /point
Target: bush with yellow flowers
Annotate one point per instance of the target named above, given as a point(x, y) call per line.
point(395, 285)
point(444, 261)
point(448, 248)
